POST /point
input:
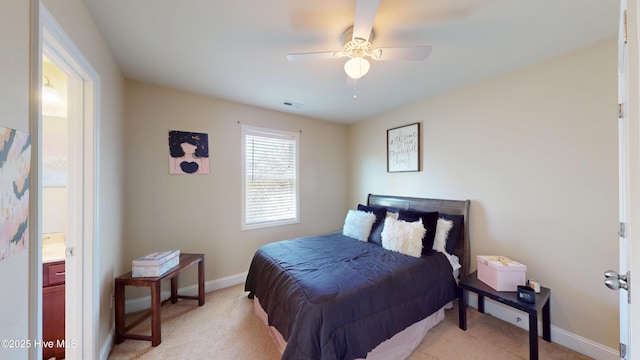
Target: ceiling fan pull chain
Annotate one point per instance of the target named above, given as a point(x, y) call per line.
point(355, 96)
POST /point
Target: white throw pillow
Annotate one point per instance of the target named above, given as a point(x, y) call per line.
point(403, 237)
point(442, 232)
point(358, 224)
point(393, 215)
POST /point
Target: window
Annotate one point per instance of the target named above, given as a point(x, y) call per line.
point(270, 177)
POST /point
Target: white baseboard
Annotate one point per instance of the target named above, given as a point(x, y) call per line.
point(144, 303)
point(108, 344)
point(559, 336)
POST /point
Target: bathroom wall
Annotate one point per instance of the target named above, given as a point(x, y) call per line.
point(54, 152)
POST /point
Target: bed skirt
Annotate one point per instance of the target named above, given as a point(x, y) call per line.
point(400, 346)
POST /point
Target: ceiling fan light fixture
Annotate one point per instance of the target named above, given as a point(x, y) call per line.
point(356, 67)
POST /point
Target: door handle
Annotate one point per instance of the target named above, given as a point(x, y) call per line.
point(615, 281)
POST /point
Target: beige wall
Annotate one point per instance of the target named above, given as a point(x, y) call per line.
point(202, 213)
point(536, 153)
point(14, 113)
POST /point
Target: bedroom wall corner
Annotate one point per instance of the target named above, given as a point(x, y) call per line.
point(202, 213)
point(535, 150)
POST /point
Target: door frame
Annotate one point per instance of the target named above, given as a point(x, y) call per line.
point(624, 167)
point(629, 142)
point(81, 330)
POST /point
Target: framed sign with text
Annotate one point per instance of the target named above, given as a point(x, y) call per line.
point(403, 148)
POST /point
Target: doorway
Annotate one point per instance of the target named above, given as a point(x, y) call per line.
point(54, 192)
point(78, 219)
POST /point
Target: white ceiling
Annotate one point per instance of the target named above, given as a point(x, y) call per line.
point(236, 49)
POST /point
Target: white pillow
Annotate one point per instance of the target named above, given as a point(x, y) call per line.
point(442, 232)
point(358, 224)
point(393, 215)
point(403, 237)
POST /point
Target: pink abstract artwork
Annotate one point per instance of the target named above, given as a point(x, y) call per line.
point(15, 162)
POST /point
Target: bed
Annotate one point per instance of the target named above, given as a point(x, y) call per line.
point(334, 297)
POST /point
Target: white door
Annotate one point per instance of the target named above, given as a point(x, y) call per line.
point(629, 174)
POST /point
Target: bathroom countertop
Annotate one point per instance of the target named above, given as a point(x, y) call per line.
point(53, 247)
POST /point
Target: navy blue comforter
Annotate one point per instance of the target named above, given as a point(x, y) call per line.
point(333, 297)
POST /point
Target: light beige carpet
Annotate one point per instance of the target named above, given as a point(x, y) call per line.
point(225, 328)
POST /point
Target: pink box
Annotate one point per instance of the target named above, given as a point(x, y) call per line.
point(501, 273)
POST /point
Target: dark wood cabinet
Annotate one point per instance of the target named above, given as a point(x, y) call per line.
point(53, 314)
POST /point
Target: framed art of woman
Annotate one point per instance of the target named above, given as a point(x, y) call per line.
point(188, 152)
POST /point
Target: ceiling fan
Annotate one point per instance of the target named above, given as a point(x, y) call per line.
point(357, 45)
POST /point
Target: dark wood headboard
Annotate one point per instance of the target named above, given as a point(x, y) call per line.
point(452, 207)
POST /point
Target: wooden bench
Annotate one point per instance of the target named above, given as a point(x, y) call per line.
point(186, 261)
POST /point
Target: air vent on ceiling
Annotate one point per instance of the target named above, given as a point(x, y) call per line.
point(292, 104)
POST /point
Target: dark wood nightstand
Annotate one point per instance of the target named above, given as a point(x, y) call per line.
point(509, 298)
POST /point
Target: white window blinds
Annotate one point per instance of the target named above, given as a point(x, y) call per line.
point(270, 174)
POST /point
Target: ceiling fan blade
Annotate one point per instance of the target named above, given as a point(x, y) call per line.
point(414, 53)
point(365, 14)
point(314, 56)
